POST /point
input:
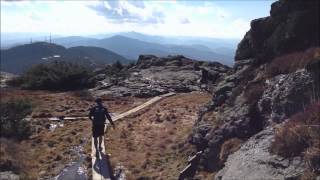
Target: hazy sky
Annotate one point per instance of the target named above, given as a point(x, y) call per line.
point(224, 18)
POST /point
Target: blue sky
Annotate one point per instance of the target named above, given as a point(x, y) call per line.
point(220, 19)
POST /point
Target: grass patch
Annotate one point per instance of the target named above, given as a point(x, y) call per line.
point(228, 147)
point(83, 94)
point(291, 62)
point(13, 124)
point(300, 136)
point(14, 157)
point(253, 92)
point(57, 75)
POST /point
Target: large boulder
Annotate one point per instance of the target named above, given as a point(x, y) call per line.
point(254, 161)
point(285, 95)
point(244, 101)
point(292, 26)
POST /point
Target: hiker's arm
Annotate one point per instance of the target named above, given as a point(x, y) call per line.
point(90, 114)
point(109, 118)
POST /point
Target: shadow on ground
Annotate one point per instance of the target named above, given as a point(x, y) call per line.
point(103, 166)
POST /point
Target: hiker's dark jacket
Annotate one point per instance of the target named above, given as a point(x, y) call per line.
point(99, 114)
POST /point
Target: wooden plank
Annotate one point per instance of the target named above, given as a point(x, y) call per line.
point(101, 169)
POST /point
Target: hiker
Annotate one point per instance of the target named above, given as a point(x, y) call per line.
point(98, 115)
point(204, 79)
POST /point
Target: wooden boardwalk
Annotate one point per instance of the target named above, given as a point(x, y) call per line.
point(101, 168)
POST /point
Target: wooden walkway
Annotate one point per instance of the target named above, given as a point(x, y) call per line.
point(101, 168)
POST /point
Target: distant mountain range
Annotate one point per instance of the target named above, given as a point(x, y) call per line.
point(131, 44)
point(131, 48)
point(18, 59)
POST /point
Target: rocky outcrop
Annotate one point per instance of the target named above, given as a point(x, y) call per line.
point(292, 26)
point(254, 161)
point(286, 95)
point(152, 76)
point(4, 78)
point(247, 101)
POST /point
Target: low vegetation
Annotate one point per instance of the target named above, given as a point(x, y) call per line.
point(254, 91)
point(83, 94)
point(300, 136)
point(13, 124)
point(57, 75)
point(291, 62)
point(228, 147)
point(153, 143)
point(117, 70)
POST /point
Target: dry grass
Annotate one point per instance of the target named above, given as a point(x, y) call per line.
point(300, 136)
point(291, 62)
point(228, 147)
point(153, 143)
point(46, 153)
point(253, 92)
point(75, 103)
point(14, 157)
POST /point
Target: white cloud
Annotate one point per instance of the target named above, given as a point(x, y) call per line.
point(184, 21)
point(92, 17)
point(127, 11)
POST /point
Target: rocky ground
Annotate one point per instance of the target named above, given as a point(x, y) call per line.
point(152, 76)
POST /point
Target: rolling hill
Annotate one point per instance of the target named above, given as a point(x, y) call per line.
point(19, 58)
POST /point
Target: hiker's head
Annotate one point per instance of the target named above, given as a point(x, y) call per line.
point(99, 101)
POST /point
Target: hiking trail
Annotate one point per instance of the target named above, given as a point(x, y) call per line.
point(101, 168)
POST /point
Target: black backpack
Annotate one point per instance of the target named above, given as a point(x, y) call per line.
point(99, 114)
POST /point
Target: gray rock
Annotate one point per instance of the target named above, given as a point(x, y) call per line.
point(224, 87)
point(5, 77)
point(100, 77)
point(286, 95)
point(247, 105)
point(8, 175)
point(152, 76)
point(253, 161)
point(292, 26)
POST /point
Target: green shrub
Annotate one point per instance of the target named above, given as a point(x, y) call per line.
point(57, 75)
point(12, 120)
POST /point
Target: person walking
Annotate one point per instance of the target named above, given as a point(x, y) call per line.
point(98, 116)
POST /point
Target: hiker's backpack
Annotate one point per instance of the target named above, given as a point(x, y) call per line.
point(99, 114)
